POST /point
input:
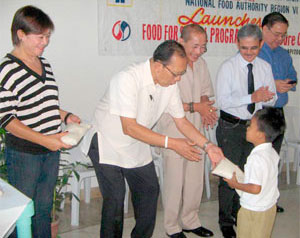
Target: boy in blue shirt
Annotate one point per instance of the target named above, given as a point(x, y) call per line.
point(260, 191)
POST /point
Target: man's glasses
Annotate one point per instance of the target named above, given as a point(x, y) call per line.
point(175, 75)
point(277, 34)
point(203, 47)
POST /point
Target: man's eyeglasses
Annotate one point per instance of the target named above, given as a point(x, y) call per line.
point(203, 47)
point(175, 75)
point(277, 34)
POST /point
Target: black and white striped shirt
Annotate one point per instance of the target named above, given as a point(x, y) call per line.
point(29, 97)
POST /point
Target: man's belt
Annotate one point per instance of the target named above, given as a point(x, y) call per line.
point(232, 119)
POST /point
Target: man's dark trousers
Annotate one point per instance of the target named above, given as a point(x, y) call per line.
point(231, 139)
point(144, 187)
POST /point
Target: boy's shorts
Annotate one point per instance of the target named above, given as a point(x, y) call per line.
point(253, 224)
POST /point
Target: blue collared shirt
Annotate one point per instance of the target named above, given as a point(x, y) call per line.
point(282, 68)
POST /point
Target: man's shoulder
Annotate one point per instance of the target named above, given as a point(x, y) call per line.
point(134, 71)
point(262, 152)
point(230, 61)
point(262, 62)
point(137, 67)
point(283, 52)
point(200, 63)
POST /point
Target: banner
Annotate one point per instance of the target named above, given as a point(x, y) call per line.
point(137, 27)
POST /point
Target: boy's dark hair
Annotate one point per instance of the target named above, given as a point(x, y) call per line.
point(166, 50)
point(270, 121)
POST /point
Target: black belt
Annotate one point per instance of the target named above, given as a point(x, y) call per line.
point(232, 119)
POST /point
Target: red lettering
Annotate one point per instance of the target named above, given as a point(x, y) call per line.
point(151, 32)
point(171, 32)
point(143, 31)
point(212, 33)
point(199, 17)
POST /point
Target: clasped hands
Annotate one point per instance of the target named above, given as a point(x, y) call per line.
point(263, 94)
point(208, 113)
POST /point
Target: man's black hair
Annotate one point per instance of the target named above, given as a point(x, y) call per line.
point(272, 18)
point(166, 50)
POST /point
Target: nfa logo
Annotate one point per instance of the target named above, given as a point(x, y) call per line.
point(121, 30)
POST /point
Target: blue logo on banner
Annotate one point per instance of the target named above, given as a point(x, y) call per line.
point(119, 3)
point(121, 30)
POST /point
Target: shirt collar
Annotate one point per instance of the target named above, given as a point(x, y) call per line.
point(263, 146)
point(244, 62)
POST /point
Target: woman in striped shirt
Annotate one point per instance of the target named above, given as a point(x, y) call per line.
point(31, 115)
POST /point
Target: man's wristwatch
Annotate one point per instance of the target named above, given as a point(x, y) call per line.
point(206, 144)
point(191, 105)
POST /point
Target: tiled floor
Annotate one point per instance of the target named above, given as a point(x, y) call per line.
point(287, 224)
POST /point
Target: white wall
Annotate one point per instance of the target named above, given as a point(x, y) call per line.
point(82, 74)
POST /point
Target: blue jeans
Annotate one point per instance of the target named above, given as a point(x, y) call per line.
point(35, 176)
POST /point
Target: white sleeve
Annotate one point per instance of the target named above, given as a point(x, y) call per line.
point(269, 81)
point(254, 171)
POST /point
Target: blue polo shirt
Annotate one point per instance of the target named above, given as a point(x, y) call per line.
point(282, 68)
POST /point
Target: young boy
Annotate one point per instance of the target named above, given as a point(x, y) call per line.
point(260, 192)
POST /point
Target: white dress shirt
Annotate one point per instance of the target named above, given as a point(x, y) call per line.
point(261, 169)
point(133, 94)
point(232, 85)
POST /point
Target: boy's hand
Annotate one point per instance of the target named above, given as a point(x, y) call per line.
point(233, 181)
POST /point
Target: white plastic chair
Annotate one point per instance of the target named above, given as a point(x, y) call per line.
point(86, 174)
point(284, 159)
point(292, 135)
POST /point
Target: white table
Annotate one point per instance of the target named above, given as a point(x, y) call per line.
point(16, 209)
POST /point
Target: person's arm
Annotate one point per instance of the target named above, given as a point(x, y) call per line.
point(52, 142)
point(263, 94)
point(181, 146)
point(68, 117)
point(207, 112)
point(206, 109)
point(188, 130)
point(282, 85)
point(292, 74)
point(248, 187)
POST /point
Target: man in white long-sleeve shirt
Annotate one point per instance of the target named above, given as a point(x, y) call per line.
point(238, 99)
point(120, 149)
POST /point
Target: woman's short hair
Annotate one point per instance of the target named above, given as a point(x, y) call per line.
point(30, 19)
point(166, 50)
